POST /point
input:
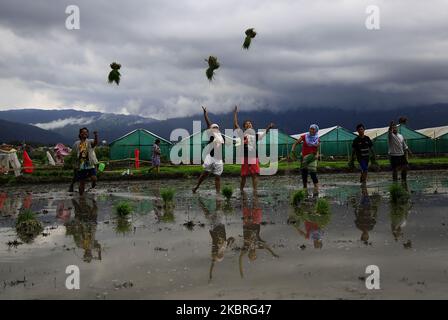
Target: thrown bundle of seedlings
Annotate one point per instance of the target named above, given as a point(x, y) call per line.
point(250, 34)
point(213, 64)
point(114, 75)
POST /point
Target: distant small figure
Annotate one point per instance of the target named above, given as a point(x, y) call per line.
point(155, 160)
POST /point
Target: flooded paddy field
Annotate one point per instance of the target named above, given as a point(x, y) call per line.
point(249, 247)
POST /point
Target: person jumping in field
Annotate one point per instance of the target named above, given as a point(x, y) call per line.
point(362, 149)
point(250, 164)
point(213, 163)
point(85, 162)
point(155, 160)
point(398, 153)
point(310, 149)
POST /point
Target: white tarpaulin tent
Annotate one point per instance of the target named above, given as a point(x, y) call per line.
point(434, 132)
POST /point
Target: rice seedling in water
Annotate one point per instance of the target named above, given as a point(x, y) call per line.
point(123, 209)
point(27, 226)
point(227, 192)
point(167, 195)
point(250, 34)
point(114, 75)
point(298, 197)
point(213, 64)
point(122, 225)
point(398, 193)
point(322, 206)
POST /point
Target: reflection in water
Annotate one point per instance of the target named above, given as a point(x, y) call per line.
point(366, 210)
point(252, 216)
point(63, 213)
point(313, 223)
point(220, 242)
point(398, 217)
point(83, 227)
point(11, 206)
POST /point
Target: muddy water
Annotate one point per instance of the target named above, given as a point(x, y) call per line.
point(251, 247)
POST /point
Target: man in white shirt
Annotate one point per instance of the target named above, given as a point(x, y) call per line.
point(398, 153)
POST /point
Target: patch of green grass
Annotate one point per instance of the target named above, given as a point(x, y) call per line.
point(167, 195)
point(298, 197)
point(398, 194)
point(227, 192)
point(123, 209)
point(322, 206)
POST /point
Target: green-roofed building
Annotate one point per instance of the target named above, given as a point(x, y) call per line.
point(417, 142)
point(439, 136)
point(198, 141)
point(141, 139)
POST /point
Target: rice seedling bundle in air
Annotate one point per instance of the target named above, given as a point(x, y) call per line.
point(250, 34)
point(227, 192)
point(398, 193)
point(123, 209)
point(167, 195)
point(298, 197)
point(213, 64)
point(114, 75)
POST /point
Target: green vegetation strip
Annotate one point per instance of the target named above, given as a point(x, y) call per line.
point(52, 175)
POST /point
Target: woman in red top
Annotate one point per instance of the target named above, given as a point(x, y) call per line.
point(250, 164)
point(310, 148)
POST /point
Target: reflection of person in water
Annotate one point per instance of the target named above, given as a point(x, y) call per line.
point(11, 206)
point(398, 218)
point(365, 214)
point(251, 231)
point(62, 213)
point(83, 227)
point(313, 222)
point(220, 242)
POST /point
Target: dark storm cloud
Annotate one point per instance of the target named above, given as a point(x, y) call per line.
point(307, 53)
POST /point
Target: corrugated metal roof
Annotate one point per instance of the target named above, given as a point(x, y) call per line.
point(434, 132)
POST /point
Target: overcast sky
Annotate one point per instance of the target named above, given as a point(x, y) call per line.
point(306, 53)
